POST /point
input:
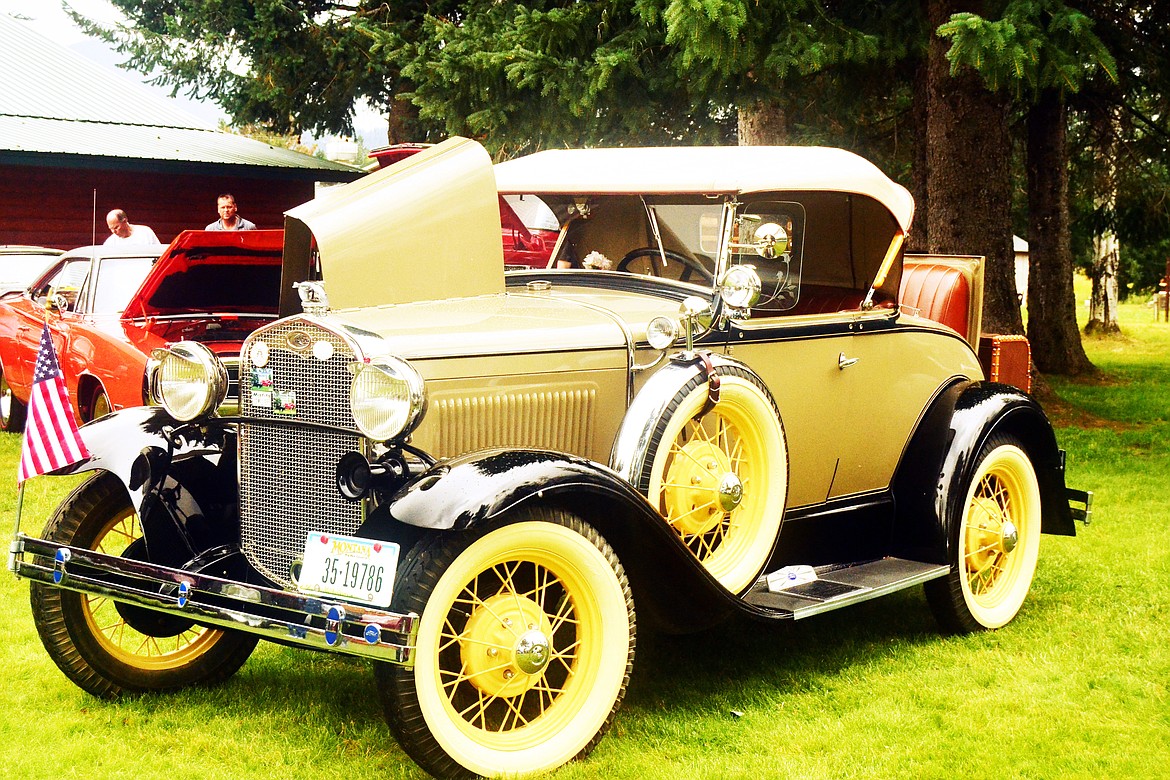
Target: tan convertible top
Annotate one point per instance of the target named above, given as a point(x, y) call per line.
point(703, 170)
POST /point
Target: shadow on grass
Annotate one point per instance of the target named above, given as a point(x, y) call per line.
point(742, 654)
point(329, 704)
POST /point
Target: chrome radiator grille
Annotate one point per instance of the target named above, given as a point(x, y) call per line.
point(287, 482)
point(321, 386)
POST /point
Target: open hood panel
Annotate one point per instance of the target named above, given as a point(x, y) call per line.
point(426, 228)
point(204, 272)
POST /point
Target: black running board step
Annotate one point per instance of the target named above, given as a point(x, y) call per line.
point(842, 586)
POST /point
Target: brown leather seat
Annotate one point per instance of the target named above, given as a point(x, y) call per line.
point(939, 291)
point(819, 299)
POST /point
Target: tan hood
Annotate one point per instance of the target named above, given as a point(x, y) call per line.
point(427, 228)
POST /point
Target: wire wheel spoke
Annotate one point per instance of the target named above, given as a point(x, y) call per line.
point(480, 673)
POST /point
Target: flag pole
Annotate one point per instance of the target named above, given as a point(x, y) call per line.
point(15, 545)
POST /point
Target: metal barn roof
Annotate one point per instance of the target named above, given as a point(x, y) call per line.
point(58, 108)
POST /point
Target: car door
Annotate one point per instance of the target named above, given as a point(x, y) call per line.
point(797, 357)
point(62, 284)
point(894, 370)
point(851, 387)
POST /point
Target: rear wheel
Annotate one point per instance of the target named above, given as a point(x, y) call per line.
point(110, 648)
point(99, 405)
point(995, 544)
point(12, 411)
point(524, 649)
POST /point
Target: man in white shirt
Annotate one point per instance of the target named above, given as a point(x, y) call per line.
point(122, 232)
point(229, 219)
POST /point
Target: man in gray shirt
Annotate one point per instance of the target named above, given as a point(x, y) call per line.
point(228, 218)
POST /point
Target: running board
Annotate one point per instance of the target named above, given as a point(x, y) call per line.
point(841, 586)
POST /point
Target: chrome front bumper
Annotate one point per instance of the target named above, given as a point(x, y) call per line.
point(277, 615)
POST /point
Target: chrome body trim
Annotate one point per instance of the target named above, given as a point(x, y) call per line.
point(280, 616)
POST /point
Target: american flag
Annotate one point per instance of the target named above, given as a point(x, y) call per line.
point(51, 440)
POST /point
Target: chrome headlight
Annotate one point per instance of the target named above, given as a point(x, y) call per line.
point(661, 332)
point(388, 398)
point(190, 381)
point(740, 287)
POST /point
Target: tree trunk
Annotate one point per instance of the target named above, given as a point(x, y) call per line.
point(969, 191)
point(919, 238)
point(762, 124)
point(1103, 299)
point(1052, 306)
point(401, 123)
point(1106, 246)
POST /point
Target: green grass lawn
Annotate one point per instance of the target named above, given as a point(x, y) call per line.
point(1076, 686)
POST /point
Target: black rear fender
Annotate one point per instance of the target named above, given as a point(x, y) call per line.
point(939, 462)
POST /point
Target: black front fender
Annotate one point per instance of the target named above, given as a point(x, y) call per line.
point(939, 463)
point(672, 589)
point(474, 489)
point(180, 478)
point(139, 444)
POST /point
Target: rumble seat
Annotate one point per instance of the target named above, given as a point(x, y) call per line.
point(946, 290)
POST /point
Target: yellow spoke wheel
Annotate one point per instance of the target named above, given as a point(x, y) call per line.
point(110, 648)
point(996, 544)
point(524, 648)
point(720, 477)
point(145, 640)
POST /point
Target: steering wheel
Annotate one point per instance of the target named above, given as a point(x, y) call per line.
point(690, 264)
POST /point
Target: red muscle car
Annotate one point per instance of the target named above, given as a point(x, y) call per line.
point(107, 308)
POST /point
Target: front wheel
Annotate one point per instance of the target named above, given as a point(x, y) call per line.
point(995, 543)
point(524, 647)
point(109, 648)
point(99, 406)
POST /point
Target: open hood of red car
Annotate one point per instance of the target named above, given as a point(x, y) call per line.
point(208, 271)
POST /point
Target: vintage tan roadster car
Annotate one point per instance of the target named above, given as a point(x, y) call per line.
point(720, 406)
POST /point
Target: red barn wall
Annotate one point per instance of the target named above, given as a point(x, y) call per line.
point(55, 206)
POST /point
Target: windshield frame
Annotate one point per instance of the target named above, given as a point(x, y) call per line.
point(99, 292)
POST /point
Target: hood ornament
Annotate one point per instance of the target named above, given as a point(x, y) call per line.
point(313, 298)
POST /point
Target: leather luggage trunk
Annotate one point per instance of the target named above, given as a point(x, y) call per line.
point(1006, 359)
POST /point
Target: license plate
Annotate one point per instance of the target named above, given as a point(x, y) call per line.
point(355, 569)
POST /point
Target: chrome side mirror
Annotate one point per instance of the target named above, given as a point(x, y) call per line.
point(770, 240)
point(57, 302)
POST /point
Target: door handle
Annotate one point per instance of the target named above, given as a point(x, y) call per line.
point(844, 362)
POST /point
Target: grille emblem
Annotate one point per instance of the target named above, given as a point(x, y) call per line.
point(298, 340)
